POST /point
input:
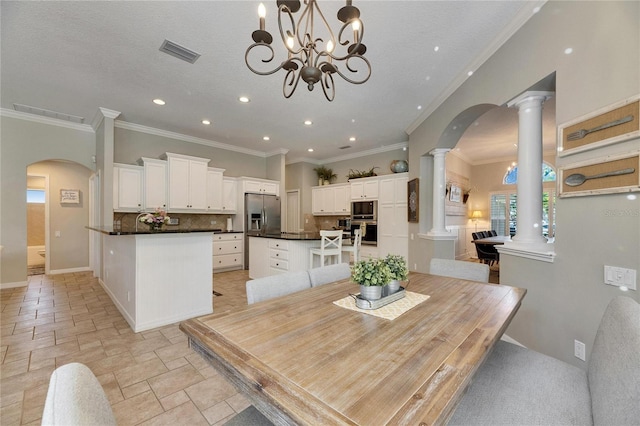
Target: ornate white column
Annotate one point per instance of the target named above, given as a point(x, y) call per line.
point(439, 186)
point(529, 188)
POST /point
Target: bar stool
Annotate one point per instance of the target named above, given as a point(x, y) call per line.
point(330, 248)
point(355, 247)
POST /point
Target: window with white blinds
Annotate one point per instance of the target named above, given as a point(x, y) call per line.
point(504, 212)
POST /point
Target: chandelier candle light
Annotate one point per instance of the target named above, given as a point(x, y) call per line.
point(310, 50)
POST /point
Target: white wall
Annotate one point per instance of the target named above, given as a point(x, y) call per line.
point(565, 299)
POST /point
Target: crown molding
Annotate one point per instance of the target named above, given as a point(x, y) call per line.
point(379, 150)
point(184, 138)
point(304, 160)
point(45, 120)
point(101, 114)
point(279, 151)
point(525, 13)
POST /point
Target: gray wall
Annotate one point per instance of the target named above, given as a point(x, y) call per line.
point(565, 299)
point(130, 145)
point(24, 143)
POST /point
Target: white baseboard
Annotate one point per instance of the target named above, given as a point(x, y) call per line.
point(69, 270)
point(13, 285)
point(510, 340)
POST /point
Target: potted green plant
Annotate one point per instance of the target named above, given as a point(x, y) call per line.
point(325, 175)
point(398, 269)
point(371, 275)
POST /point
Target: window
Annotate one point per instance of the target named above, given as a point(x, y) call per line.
point(35, 196)
point(504, 206)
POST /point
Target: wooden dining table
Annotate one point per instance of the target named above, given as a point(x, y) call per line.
point(301, 359)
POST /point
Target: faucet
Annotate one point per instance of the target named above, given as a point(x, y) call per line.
point(138, 217)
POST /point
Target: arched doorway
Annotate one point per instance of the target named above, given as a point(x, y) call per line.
point(65, 214)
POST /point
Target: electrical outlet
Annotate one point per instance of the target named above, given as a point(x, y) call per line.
point(174, 221)
point(579, 350)
point(213, 222)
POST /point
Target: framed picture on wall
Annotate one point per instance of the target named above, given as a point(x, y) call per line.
point(69, 196)
point(413, 200)
point(455, 194)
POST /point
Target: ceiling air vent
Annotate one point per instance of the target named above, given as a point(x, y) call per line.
point(344, 147)
point(48, 113)
point(179, 52)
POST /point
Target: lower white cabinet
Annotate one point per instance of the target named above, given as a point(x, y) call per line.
point(228, 251)
point(272, 256)
point(368, 252)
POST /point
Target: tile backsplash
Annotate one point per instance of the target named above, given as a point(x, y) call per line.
point(186, 221)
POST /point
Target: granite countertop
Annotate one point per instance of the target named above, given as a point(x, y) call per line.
point(298, 236)
point(144, 230)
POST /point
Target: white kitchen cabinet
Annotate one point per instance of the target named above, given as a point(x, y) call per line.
point(261, 186)
point(393, 226)
point(127, 188)
point(368, 252)
point(214, 189)
point(322, 201)
point(228, 251)
point(364, 189)
point(154, 183)
point(187, 183)
point(331, 200)
point(272, 256)
point(229, 195)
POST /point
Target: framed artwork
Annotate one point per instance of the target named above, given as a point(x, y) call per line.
point(612, 124)
point(69, 196)
point(413, 200)
point(613, 174)
point(455, 194)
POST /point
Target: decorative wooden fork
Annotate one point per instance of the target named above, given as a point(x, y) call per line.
point(584, 132)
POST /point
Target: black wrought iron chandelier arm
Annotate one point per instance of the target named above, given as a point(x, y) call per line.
point(266, 61)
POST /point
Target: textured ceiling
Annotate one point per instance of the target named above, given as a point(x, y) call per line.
point(74, 57)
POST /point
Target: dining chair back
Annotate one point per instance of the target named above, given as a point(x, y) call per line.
point(460, 269)
point(329, 274)
point(330, 248)
point(354, 247)
point(476, 235)
point(276, 285)
point(493, 233)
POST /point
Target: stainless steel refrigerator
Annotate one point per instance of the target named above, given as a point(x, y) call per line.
point(262, 217)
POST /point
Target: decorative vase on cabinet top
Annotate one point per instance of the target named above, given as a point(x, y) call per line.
point(399, 166)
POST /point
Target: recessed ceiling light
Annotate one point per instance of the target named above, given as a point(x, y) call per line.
point(159, 102)
point(353, 120)
point(536, 9)
point(404, 148)
point(308, 122)
point(470, 73)
point(266, 138)
point(243, 99)
point(206, 122)
point(568, 51)
point(310, 150)
point(435, 49)
point(352, 139)
point(419, 107)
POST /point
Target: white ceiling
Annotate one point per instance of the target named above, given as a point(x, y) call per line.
point(74, 57)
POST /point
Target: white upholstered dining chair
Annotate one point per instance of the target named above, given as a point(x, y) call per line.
point(330, 248)
point(355, 247)
point(460, 269)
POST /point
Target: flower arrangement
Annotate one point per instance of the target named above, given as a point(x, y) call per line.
point(155, 219)
point(397, 266)
point(373, 272)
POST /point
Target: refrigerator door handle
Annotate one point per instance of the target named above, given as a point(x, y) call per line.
point(263, 219)
point(266, 219)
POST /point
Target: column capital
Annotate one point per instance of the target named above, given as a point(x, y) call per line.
point(530, 96)
point(439, 151)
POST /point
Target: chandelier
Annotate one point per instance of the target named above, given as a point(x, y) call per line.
point(311, 51)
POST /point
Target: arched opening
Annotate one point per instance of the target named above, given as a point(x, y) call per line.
point(56, 229)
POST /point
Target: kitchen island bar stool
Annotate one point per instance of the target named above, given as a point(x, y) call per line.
point(330, 248)
point(355, 247)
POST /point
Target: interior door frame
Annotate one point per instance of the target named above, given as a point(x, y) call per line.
point(47, 244)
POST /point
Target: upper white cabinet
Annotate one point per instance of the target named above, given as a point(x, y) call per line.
point(187, 183)
point(229, 195)
point(261, 186)
point(393, 225)
point(127, 188)
point(331, 200)
point(364, 189)
point(154, 183)
point(214, 189)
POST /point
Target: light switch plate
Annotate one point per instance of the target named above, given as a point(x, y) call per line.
point(620, 277)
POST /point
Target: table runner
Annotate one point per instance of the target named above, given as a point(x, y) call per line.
point(391, 311)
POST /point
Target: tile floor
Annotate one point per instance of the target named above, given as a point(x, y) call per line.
point(150, 378)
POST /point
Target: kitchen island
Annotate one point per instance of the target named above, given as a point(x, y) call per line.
point(272, 254)
point(158, 278)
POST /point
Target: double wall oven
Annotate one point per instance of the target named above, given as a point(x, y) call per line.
point(364, 216)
